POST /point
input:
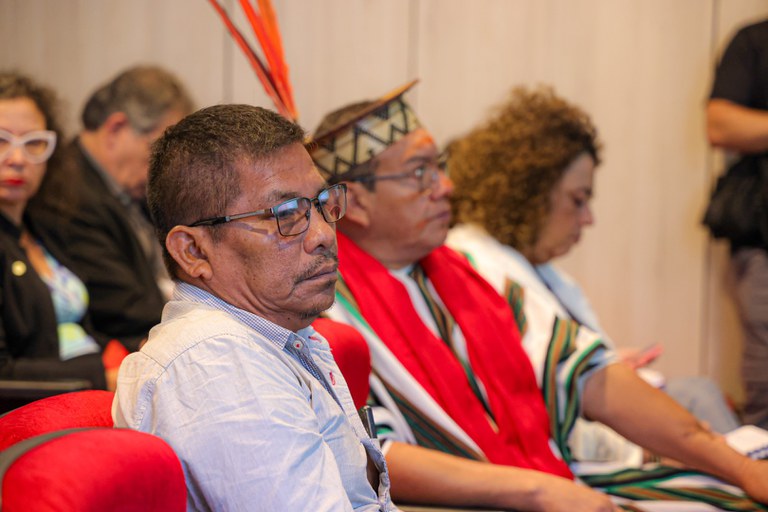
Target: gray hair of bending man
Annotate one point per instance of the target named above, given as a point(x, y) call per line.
point(144, 93)
point(195, 167)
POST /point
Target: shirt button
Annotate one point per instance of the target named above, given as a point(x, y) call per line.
point(298, 345)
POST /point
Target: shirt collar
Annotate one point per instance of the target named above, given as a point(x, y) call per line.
point(276, 334)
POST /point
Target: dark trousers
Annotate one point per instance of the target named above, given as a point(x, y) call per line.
point(750, 273)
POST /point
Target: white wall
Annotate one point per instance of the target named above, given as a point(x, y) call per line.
point(642, 68)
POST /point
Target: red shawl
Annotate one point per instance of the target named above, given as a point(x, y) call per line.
point(493, 344)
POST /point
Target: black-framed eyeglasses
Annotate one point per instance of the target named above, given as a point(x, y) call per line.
point(292, 216)
point(426, 175)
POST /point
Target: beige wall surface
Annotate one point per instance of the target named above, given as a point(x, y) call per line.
point(642, 68)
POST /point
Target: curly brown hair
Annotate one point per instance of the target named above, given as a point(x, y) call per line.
point(505, 169)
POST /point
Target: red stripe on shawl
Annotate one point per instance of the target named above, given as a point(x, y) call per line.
point(493, 344)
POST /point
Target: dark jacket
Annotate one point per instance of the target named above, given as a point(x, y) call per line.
point(29, 341)
point(99, 239)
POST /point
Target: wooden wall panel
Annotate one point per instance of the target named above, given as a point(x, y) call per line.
point(338, 52)
point(75, 45)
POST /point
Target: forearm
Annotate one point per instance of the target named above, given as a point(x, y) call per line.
point(732, 126)
point(424, 476)
point(617, 397)
point(420, 475)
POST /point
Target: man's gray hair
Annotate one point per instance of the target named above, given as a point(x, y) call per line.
point(144, 93)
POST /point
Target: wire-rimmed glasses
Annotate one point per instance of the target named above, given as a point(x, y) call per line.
point(426, 175)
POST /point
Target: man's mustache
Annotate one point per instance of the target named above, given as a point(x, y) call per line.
point(324, 260)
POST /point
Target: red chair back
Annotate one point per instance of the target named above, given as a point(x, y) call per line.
point(69, 410)
point(92, 470)
point(351, 354)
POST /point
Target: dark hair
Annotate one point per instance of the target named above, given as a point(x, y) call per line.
point(14, 85)
point(144, 93)
point(504, 170)
point(339, 117)
point(195, 165)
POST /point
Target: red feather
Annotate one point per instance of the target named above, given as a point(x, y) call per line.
point(274, 75)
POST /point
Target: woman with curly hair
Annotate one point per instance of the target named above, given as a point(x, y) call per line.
point(534, 140)
point(523, 185)
point(45, 332)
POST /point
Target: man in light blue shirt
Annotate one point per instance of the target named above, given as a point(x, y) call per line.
point(234, 378)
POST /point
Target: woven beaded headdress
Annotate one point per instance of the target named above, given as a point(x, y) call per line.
point(341, 149)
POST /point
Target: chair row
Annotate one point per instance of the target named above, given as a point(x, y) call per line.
point(60, 453)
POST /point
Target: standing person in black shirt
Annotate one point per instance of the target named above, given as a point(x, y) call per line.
point(737, 120)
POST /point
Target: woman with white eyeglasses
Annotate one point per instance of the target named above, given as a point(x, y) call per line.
point(44, 329)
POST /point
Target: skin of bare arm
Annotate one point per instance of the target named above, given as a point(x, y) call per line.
point(617, 397)
point(423, 476)
point(737, 128)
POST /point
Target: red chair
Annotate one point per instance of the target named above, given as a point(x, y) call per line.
point(92, 470)
point(90, 408)
point(61, 454)
point(351, 354)
point(44, 468)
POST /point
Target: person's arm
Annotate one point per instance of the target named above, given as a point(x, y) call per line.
point(125, 301)
point(616, 396)
point(423, 476)
point(735, 119)
point(735, 127)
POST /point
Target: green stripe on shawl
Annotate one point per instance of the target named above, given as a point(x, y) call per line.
point(573, 400)
point(635, 476)
point(515, 296)
point(719, 498)
point(561, 346)
point(630, 508)
point(344, 295)
point(646, 485)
